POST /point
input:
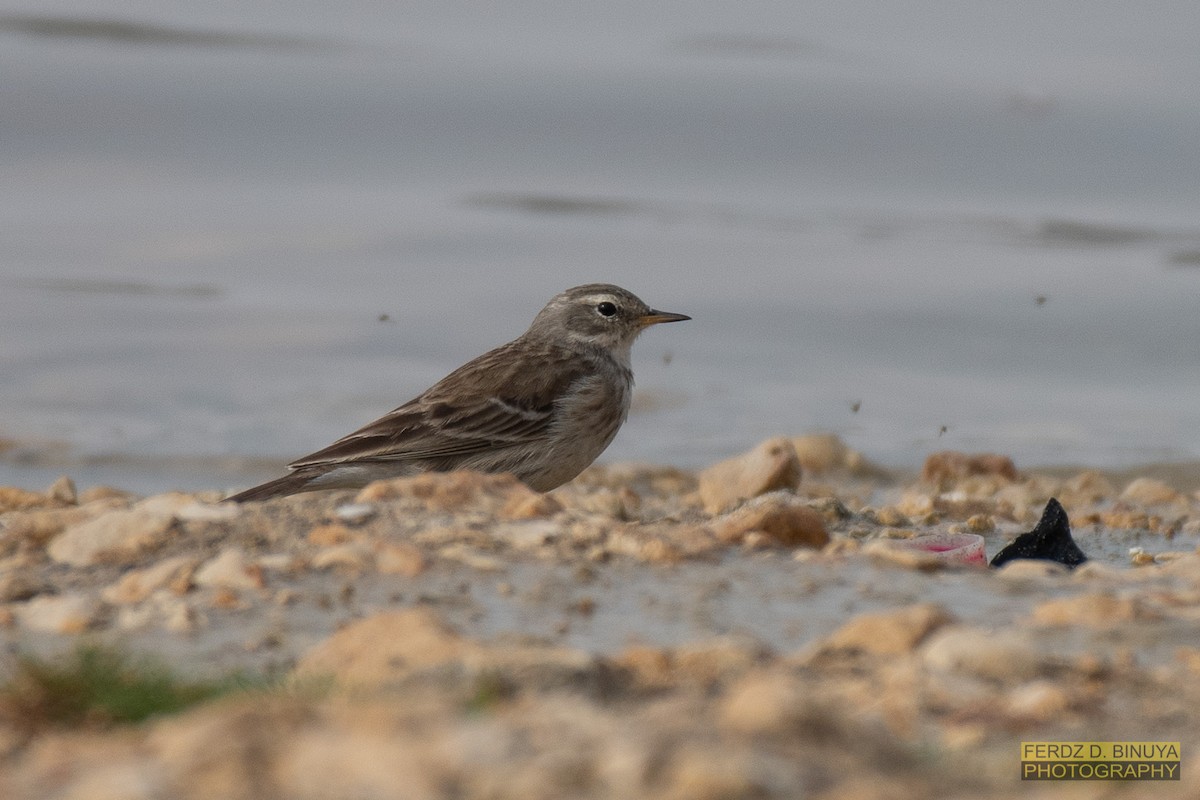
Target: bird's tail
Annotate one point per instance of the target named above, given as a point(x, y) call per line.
point(280, 487)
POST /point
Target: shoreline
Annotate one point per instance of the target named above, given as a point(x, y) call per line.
point(735, 623)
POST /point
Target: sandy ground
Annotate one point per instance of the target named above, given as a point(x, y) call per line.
point(747, 631)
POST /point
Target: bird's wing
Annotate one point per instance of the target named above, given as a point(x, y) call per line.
point(498, 400)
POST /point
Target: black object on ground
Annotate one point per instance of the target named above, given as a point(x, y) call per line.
point(1050, 540)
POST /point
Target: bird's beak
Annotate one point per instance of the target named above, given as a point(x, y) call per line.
point(653, 317)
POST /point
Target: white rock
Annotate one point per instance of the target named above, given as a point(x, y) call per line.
point(356, 512)
point(64, 614)
point(114, 537)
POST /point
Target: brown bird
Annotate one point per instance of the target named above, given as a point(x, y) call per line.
point(542, 407)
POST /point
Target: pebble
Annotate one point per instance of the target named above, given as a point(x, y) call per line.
point(356, 513)
point(230, 569)
point(32, 529)
point(888, 632)
point(949, 467)
point(62, 614)
point(781, 517)
point(400, 559)
point(470, 557)
point(137, 585)
point(992, 655)
point(119, 537)
point(1094, 609)
point(63, 491)
point(770, 466)
point(1040, 700)
point(1149, 492)
point(353, 556)
point(820, 453)
point(14, 499)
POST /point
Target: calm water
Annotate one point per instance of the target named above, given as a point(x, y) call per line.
point(230, 233)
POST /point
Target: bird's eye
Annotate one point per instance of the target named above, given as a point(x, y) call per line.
point(606, 309)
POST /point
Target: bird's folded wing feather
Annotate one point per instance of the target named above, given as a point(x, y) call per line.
point(489, 403)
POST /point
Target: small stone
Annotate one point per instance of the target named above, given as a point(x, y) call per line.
point(1149, 492)
point(992, 655)
point(230, 570)
point(785, 519)
point(63, 614)
point(763, 703)
point(826, 452)
point(400, 558)
point(981, 523)
point(470, 557)
point(14, 499)
point(32, 529)
point(770, 466)
point(949, 466)
point(891, 517)
point(327, 535)
point(352, 556)
point(1033, 570)
point(1038, 700)
point(1095, 610)
point(136, 586)
point(356, 513)
point(385, 646)
point(531, 506)
point(114, 537)
point(888, 632)
point(63, 491)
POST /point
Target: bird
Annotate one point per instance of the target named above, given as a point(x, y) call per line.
point(541, 407)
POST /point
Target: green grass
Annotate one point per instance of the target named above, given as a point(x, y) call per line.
point(100, 686)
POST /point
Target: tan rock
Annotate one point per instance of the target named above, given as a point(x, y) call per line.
point(1096, 610)
point(826, 452)
point(117, 536)
point(769, 466)
point(949, 466)
point(1150, 492)
point(326, 535)
point(385, 647)
point(393, 646)
point(783, 518)
point(400, 558)
point(230, 569)
point(1039, 700)
point(530, 506)
point(471, 557)
point(992, 655)
point(763, 702)
point(63, 491)
point(136, 586)
point(353, 556)
point(62, 614)
point(888, 632)
point(14, 499)
point(32, 529)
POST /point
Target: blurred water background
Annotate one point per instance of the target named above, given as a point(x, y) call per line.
point(233, 231)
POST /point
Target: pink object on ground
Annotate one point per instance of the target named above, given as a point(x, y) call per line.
point(952, 548)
